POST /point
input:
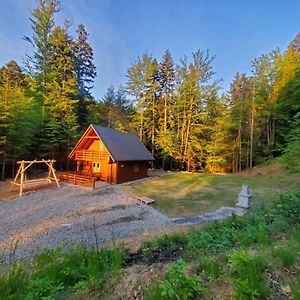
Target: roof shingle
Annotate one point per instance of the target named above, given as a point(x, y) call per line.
point(123, 146)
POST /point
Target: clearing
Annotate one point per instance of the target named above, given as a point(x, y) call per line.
point(186, 194)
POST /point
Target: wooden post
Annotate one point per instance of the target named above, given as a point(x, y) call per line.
point(22, 177)
point(21, 174)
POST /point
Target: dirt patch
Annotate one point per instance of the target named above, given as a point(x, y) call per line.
point(7, 194)
point(128, 219)
point(135, 280)
point(152, 256)
point(257, 171)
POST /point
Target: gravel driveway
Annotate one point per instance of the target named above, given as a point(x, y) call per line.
point(50, 217)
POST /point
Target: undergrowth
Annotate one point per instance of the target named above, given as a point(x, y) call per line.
point(229, 249)
point(258, 256)
point(53, 271)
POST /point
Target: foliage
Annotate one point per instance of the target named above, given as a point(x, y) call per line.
point(167, 242)
point(249, 275)
point(54, 271)
point(286, 256)
point(244, 249)
point(286, 209)
point(210, 267)
point(176, 284)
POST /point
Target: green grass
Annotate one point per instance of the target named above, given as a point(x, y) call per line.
point(184, 194)
point(235, 252)
point(252, 257)
point(54, 272)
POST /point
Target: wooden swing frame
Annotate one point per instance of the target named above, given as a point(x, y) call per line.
point(24, 165)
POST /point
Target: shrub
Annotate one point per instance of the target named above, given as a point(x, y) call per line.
point(248, 275)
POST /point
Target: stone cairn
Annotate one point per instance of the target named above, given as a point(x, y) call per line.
point(244, 201)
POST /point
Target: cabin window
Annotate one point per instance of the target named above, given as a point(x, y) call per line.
point(136, 168)
point(96, 167)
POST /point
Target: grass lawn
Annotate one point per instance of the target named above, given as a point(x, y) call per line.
point(185, 194)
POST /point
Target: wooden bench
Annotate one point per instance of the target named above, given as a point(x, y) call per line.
point(87, 180)
point(146, 200)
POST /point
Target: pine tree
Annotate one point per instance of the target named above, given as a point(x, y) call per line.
point(115, 109)
point(60, 101)
point(42, 24)
point(85, 72)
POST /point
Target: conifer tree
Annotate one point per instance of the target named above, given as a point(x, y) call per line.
point(60, 101)
point(42, 24)
point(85, 72)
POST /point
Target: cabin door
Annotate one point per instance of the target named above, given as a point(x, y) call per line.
point(96, 167)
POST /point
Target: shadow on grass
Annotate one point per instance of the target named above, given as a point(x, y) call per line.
point(185, 194)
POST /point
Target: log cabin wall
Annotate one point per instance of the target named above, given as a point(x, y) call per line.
point(93, 157)
point(104, 161)
point(127, 171)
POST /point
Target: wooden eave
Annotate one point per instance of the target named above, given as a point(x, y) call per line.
point(86, 140)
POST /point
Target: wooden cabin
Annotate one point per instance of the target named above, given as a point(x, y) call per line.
point(111, 155)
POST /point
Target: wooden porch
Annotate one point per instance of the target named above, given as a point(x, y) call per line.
point(79, 178)
point(90, 155)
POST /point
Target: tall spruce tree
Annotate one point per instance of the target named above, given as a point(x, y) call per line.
point(60, 101)
point(42, 24)
point(85, 73)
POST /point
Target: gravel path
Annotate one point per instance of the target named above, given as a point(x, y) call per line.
point(47, 218)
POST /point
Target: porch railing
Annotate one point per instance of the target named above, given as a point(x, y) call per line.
point(90, 155)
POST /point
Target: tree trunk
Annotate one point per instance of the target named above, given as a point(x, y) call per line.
point(3, 166)
point(240, 147)
point(251, 137)
point(153, 130)
point(165, 132)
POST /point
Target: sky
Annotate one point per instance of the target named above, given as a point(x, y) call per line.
point(235, 32)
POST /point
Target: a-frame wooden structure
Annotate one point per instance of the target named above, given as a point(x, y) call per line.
point(21, 181)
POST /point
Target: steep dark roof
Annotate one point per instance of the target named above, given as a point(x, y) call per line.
point(123, 146)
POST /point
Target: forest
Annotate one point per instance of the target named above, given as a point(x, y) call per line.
point(177, 109)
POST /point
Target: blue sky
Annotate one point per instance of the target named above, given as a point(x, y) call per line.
point(234, 31)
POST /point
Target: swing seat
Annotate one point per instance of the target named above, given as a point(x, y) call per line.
point(37, 181)
point(24, 165)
